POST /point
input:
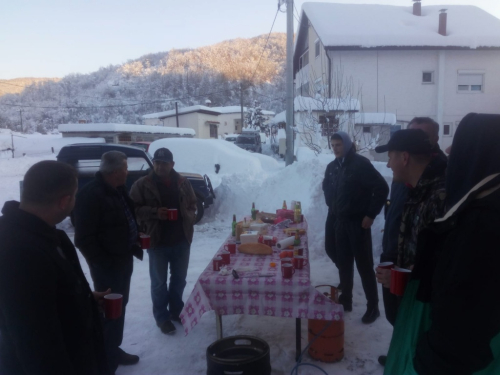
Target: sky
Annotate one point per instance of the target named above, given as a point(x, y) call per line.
point(53, 38)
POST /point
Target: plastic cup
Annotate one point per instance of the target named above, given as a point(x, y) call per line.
point(386, 265)
point(172, 214)
point(217, 263)
point(231, 247)
point(299, 262)
point(113, 306)
point(287, 271)
point(226, 256)
point(145, 241)
point(399, 280)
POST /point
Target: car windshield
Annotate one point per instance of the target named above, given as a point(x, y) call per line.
point(245, 140)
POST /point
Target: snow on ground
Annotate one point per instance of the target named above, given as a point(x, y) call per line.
point(244, 178)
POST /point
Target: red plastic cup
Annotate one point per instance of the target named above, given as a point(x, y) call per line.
point(299, 262)
point(145, 241)
point(226, 256)
point(172, 214)
point(113, 306)
point(399, 279)
point(287, 270)
point(386, 265)
point(217, 263)
point(286, 261)
point(231, 247)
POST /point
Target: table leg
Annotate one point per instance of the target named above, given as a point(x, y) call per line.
point(298, 346)
point(218, 325)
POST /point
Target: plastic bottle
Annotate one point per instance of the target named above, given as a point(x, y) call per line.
point(254, 212)
point(296, 213)
point(284, 205)
point(296, 241)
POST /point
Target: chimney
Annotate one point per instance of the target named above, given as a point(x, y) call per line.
point(417, 8)
point(442, 22)
point(208, 103)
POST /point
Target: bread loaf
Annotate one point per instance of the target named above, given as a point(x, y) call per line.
point(255, 248)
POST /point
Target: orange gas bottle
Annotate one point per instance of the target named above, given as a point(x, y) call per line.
point(329, 345)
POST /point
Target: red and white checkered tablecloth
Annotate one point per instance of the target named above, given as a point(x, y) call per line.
point(271, 296)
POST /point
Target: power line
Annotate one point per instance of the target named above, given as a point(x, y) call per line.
point(265, 46)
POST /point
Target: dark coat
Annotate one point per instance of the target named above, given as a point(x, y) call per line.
point(49, 320)
point(101, 225)
point(457, 265)
point(354, 188)
point(393, 213)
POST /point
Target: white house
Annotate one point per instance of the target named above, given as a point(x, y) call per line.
point(207, 122)
point(437, 61)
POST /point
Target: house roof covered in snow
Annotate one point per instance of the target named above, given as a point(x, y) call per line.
point(366, 118)
point(357, 26)
point(201, 109)
point(129, 128)
point(320, 104)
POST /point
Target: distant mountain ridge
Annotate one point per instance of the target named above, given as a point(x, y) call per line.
point(17, 85)
point(153, 83)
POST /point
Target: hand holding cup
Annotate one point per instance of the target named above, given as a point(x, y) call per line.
point(162, 213)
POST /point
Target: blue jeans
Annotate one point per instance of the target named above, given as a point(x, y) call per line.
point(167, 299)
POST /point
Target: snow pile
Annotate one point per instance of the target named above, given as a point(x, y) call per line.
point(104, 127)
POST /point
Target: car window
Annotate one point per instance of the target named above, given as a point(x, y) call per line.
point(245, 140)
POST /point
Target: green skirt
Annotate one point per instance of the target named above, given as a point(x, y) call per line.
point(412, 321)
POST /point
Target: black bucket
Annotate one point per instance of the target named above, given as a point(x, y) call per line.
point(239, 355)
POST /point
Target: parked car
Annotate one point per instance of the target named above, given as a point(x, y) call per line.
point(86, 158)
point(231, 137)
point(249, 141)
point(143, 145)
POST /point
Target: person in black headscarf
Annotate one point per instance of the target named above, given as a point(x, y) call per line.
point(449, 320)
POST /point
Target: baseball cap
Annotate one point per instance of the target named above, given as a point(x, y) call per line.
point(413, 141)
point(163, 154)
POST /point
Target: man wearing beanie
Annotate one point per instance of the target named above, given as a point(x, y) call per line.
point(355, 193)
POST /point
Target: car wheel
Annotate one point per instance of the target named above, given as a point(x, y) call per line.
point(200, 210)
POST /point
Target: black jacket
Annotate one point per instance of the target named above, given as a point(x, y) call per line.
point(393, 213)
point(457, 265)
point(101, 226)
point(354, 188)
point(49, 320)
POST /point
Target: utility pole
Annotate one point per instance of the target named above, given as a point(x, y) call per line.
point(176, 114)
point(21, 115)
point(241, 104)
point(289, 83)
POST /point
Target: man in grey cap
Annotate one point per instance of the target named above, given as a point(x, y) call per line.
point(355, 193)
point(154, 195)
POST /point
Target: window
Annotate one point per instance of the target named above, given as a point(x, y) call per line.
point(367, 129)
point(213, 131)
point(316, 48)
point(329, 125)
point(304, 59)
point(470, 82)
point(124, 137)
point(318, 86)
point(428, 77)
point(304, 89)
point(447, 129)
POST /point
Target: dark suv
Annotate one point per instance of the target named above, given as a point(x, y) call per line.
point(86, 158)
point(249, 141)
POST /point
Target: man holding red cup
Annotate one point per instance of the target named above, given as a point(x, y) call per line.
point(165, 208)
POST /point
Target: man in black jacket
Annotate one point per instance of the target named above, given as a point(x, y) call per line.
point(355, 193)
point(106, 233)
point(49, 321)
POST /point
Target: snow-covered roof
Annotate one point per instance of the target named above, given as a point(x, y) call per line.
point(280, 117)
point(201, 108)
point(237, 109)
point(305, 103)
point(364, 118)
point(193, 108)
point(370, 25)
point(102, 127)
